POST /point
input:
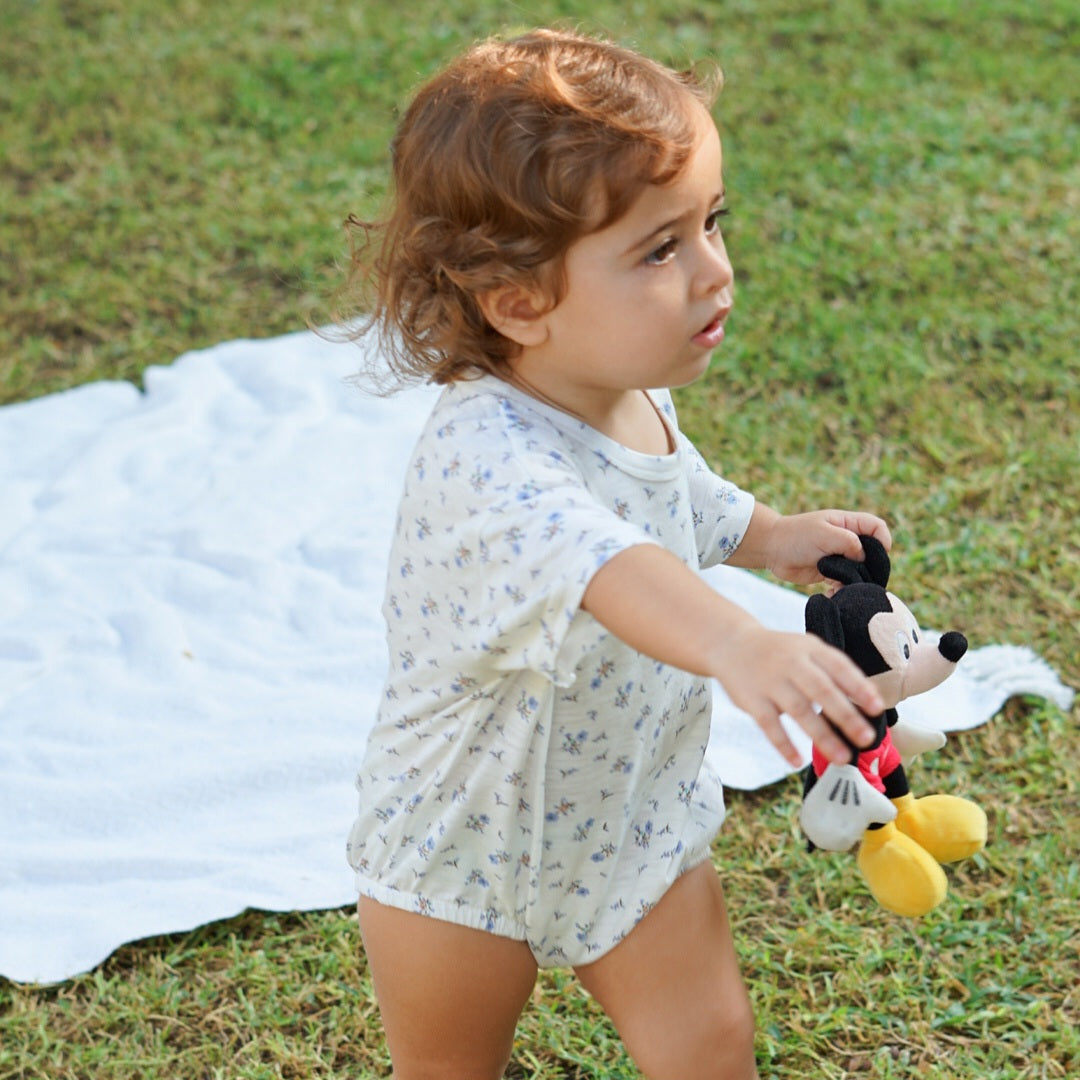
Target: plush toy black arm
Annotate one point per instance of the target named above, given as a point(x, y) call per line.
point(808, 781)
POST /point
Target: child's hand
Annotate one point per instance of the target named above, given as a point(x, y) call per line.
point(793, 545)
point(766, 673)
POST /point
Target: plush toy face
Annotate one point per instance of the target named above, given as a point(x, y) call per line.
point(914, 664)
point(876, 629)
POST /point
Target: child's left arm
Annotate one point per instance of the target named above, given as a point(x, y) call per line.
point(789, 546)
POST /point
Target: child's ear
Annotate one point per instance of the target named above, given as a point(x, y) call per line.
point(517, 313)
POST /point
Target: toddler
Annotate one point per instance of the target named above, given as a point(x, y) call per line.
point(533, 792)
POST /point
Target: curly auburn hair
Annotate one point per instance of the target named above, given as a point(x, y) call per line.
point(501, 162)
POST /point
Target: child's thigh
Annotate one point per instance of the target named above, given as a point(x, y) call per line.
point(449, 996)
point(673, 988)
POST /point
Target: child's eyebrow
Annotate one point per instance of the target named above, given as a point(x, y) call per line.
point(671, 224)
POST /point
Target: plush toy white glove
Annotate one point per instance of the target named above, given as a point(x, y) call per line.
point(912, 739)
point(840, 807)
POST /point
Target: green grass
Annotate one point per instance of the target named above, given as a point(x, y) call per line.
point(906, 191)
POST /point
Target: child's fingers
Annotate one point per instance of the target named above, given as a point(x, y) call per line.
point(860, 523)
point(833, 683)
point(871, 525)
point(819, 725)
point(856, 692)
point(768, 719)
point(819, 687)
point(790, 699)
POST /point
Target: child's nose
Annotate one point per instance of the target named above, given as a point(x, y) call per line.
point(715, 272)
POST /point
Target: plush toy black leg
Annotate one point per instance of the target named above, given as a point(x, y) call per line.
point(896, 783)
point(896, 786)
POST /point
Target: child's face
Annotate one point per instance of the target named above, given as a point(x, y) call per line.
point(646, 298)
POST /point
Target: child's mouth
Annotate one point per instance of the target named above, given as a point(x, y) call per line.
point(710, 336)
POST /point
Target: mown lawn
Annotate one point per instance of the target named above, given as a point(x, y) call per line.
point(906, 216)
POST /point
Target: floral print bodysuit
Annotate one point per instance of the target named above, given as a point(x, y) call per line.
point(528, 773)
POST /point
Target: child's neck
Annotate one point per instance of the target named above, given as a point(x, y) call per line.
point(630, 417)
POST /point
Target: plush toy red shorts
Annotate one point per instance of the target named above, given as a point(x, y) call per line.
point(873, 764)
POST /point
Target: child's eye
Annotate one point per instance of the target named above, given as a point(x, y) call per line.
point(712, 222)
point(664, 253)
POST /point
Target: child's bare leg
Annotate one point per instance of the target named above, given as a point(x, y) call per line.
point(450, 997)
point(673, 989)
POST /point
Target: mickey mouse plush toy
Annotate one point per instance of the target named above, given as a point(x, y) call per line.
point(903, 838)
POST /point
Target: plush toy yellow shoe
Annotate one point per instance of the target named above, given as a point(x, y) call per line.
point(948, 827)
point(903, 876)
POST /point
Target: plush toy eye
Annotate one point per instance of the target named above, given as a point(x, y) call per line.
point(902, 645)
point(915, 636)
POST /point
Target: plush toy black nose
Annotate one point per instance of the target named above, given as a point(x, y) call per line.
point(952, 646)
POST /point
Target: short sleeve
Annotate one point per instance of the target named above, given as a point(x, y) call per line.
point(541, 545)
point(721, 509)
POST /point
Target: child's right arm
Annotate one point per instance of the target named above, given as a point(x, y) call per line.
point(650, 599)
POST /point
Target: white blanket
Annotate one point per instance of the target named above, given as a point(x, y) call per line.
point(191, 646)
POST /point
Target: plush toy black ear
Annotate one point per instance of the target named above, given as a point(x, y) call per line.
point(823, 619)
point(877, 560)
point(874, 569)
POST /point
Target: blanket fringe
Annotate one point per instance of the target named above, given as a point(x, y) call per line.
point(1016, 669)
